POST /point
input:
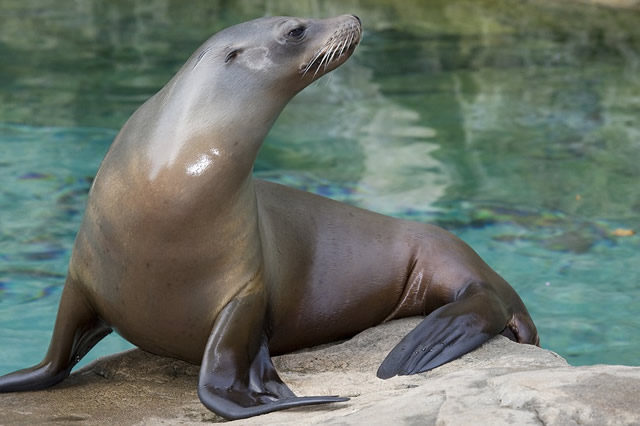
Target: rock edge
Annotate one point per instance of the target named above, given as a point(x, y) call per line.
point(499, 383)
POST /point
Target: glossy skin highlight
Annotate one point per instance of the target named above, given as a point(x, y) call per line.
point(185, 255)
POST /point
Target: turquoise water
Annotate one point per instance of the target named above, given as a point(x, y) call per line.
point(507, 123)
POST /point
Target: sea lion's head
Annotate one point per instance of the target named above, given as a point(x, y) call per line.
point(233, 88)
point(280, 55)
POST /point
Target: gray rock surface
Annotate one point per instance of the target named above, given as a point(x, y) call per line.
point(499, 383)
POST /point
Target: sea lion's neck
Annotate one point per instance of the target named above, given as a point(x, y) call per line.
point(197, 136)
point(207, 130)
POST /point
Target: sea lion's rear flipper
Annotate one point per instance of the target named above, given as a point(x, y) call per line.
point(452, 330)
point(237, 378)
point(76, 331)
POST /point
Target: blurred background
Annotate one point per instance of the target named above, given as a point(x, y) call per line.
point(514, 124)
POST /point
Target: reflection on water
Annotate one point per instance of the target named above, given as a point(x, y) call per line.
point(513, 124)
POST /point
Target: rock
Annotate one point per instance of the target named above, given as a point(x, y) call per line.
point(499, 383)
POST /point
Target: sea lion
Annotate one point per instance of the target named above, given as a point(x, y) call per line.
point(185, 255)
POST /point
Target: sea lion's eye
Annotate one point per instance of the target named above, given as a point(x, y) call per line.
point(296, 32)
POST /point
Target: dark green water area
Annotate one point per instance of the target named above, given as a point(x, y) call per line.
point(514, 124)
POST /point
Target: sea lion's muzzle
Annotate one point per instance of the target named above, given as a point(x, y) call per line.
point(338, 47)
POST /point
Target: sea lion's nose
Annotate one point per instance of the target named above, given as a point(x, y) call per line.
point(358, 19)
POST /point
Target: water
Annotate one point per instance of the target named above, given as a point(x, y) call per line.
point(513, 124)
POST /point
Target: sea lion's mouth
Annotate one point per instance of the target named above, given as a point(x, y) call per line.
point(335, 51)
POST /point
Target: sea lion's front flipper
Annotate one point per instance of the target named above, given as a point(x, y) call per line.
point(452, 330)
point(237, 378)
point(76, 331)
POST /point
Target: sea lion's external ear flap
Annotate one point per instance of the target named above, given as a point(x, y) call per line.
point(231, 54)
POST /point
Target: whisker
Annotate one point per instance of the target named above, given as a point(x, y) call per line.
point(327, 80)
point(311, 62)
point(332, 49)
point(318, 67)
point(335, 50)
point(329, 56)
point(343, 45)
point(346, 45)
